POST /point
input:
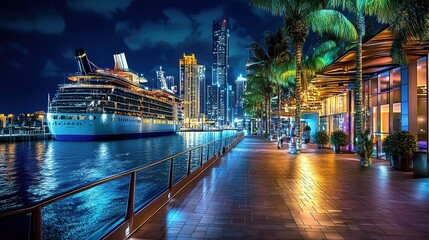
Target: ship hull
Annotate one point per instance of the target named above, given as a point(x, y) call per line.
point(91, 127)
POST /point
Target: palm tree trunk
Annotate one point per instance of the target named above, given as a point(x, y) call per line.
point(266, 113)
point(269, 115)
point(261, 123)
point(358, 83)
point(298, 45)
point(279, 102)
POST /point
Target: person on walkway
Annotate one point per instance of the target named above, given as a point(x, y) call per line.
point(280, 141)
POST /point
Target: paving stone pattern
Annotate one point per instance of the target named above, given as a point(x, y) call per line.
point(257, 191)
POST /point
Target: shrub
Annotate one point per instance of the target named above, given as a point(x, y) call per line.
point(321, 137)
point(339, 138)
point(400, 143)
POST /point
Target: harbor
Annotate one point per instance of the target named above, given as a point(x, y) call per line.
point(30, 135)
point(41, 170)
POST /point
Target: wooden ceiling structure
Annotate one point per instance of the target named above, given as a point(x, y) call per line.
point(338, 76)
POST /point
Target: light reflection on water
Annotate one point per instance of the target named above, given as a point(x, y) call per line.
point(33, 171)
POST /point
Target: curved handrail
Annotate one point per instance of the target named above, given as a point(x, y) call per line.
point(35, 209)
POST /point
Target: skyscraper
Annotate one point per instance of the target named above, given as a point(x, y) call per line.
point(201, 71)
point(191, 76)
point(212, 102)
point(240, 85)
point(220, 69)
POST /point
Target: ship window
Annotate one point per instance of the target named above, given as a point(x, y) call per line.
point(55, 117)
point(63, 117)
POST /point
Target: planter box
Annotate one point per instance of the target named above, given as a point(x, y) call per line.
point(401, 163)
point(420, 164)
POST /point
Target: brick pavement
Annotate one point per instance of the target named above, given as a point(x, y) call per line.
point(256, 191)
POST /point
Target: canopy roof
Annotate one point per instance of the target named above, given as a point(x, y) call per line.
point(337, 77)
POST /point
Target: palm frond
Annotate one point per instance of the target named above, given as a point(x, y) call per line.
point(323, 48)
point(333, 22)
point(342, 4)
point(409, 24)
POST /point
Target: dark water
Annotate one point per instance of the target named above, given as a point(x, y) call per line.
point(33, 171)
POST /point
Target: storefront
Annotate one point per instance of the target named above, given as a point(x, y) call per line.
point(335, 113)
point(394, 97)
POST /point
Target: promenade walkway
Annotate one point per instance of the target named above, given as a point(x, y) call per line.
point(256, 191)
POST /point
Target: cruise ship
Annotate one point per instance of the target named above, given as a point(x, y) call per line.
point(110, 104)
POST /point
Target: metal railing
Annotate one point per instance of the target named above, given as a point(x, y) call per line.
point(204, 153)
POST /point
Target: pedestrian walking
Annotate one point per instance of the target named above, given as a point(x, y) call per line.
point(280, 141)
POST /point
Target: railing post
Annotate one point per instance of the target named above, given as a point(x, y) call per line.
point(131, 198)
point(208, 150)
point(201, 156)
point(214, 148)
point(223, 146)
point(189, 162)
point(36, 219)
point(170, 180)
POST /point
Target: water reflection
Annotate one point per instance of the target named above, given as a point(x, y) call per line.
point(9, 189)
point(33, 171)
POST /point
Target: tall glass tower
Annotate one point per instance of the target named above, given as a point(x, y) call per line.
point(220, 69)
point(190, 88)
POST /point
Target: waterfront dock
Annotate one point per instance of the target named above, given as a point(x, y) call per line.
point(24, 136)
point(256, 191)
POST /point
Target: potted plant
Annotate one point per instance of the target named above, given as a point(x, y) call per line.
point(307, 130)
point(365, 146)
point(339, 138)
point(400, 147)
point(321, 138)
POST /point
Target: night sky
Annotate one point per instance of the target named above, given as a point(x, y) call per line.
point(37, 39)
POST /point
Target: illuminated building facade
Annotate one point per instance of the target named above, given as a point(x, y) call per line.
point(394, 97)
point(212, 102)
point(190, 78)
point(220, 69)
point(201, 72)
point(240, 85)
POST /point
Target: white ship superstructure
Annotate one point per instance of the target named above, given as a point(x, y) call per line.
point(110, 104)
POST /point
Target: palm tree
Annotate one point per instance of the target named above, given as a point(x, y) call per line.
point(299, 16)
point(359, 7)
point(257, 96)
point(269, 60)
point(409, 21)
point(322, 53)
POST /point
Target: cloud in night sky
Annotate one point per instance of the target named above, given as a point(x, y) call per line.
point(239, 41)
point(38, 38)
point(172, 31)
point(261, 13)
point(178, 28)
point(15, 64)
point(13, 47)
point(204, 22)
point(46, 21)
point(102, 7)
point(51, 70)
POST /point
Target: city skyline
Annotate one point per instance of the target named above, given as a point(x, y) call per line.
point(37, 40)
